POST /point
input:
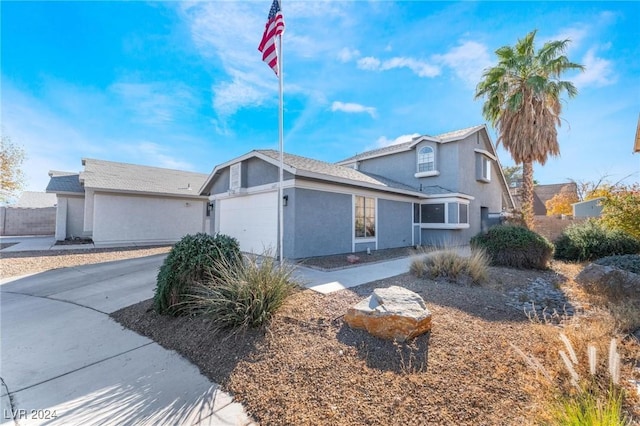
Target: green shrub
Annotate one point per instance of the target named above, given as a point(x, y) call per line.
point(243, 294)
point(451, 265)
point(590, 240)
point(515, 246)
point(628, 262)
point(191, 261)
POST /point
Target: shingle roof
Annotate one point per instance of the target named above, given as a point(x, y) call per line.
point(335, 171)
point(35, 200)
point(123, 177)
point(321, 167)
point(442, 138)
point(67, 182)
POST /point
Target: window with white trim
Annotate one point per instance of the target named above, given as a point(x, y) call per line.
point(234, 176)
point(483, 168)
point(426, 159)
point(365, 217)
point(449, 214)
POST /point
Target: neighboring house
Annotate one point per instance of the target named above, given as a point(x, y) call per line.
point(431, 190)
point(542, 194)
point(33, 214)
point(588, 208)
point(119, 203)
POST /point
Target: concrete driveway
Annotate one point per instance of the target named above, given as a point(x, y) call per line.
point(62, 355)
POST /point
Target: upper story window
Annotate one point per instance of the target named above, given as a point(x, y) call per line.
point(483, 165)
point(426, 159)
point(234, 176)
point(426, 162)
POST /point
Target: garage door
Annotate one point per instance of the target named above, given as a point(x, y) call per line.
point(252, 220)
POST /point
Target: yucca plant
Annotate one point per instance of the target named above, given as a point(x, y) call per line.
point(242, 294)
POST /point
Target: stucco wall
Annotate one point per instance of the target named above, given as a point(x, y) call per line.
point(141, 219)
point(26, 221)
point(485, 194)
point(75, 217)
point(590, 208)
point(253, 172)
point(323, 223)
point(403, 166)
point(395, 222)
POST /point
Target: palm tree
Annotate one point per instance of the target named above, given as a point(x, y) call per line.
point(523, 103)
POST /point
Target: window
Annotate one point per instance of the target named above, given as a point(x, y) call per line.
point(365, 217)
point(447, 214)
point(426, 160)
point(486, 168)
point(464, 213)
point(483, 168)
point(416, 213)
point(234, 176)
point(433, 213)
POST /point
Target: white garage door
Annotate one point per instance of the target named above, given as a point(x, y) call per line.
point(252, 220)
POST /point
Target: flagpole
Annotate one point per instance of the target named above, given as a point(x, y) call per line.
point(281, 141)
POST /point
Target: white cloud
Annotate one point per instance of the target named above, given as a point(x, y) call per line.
point(154, 154)
point(352, 108)
point(384, 141)
point(214, 30)
point(576, 34)
point(598, 71)
point(155, 103)
point(420, 68)
point(369, 63)
point(468, 60)
point(346, 55)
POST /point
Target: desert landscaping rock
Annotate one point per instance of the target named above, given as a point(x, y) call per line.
point(543, 300)
point(391, 313)
point(602, 278)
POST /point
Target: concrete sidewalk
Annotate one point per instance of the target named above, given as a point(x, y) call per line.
point(62, 354)
point(328, 282)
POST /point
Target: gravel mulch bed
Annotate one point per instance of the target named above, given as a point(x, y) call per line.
point(28, 262)
point(309, 368)
point(339, 261)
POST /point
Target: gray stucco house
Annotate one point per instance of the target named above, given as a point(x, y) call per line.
point(432, 190)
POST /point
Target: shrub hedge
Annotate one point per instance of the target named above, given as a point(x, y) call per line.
point(191, 261)
point(590, 240)
point(515, 246)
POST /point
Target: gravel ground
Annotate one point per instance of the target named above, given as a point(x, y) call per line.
point(339, 261)
point(309, 368)
point(29, 262)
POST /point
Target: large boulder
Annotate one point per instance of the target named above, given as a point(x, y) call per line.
point(609, 280)
point(391, 313)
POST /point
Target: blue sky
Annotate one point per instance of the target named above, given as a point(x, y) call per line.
point(182, 85)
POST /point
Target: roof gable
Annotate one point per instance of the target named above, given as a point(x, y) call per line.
point(64, 183)
point(447, 137)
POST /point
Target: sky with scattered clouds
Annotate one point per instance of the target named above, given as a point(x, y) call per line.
point(182, 85)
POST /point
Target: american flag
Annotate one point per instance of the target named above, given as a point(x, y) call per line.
point(273, 28)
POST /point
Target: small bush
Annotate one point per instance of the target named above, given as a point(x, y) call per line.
point(242, 294)
point(190, 261)
point(515, 246)
point(451, 265)
point(628, 262)
point(590, 240)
